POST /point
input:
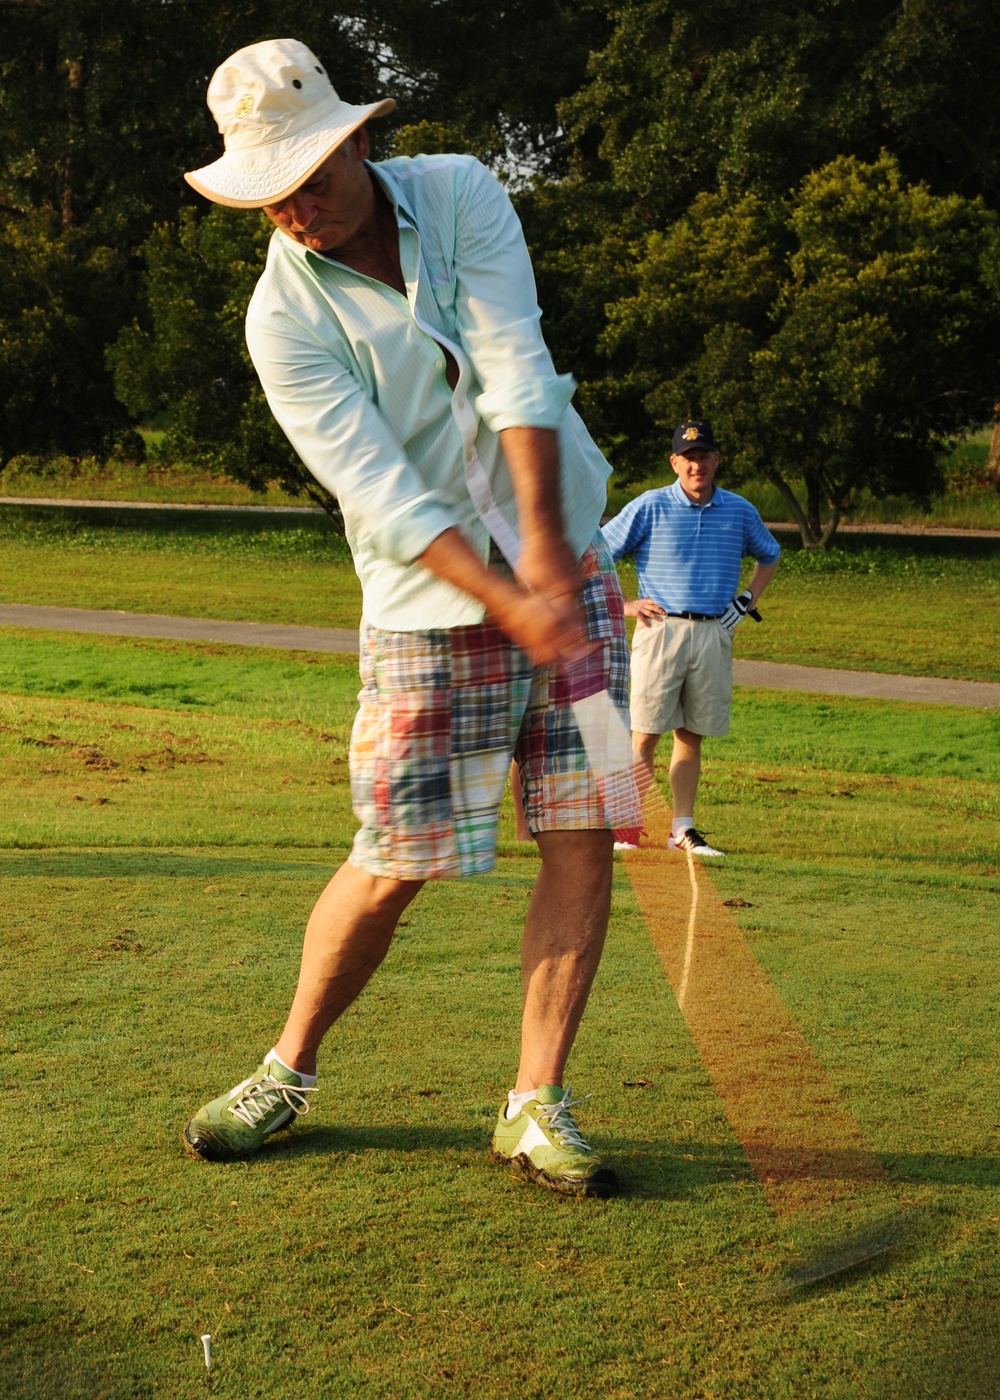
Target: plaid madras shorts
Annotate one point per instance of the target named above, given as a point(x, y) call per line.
point(442, 712)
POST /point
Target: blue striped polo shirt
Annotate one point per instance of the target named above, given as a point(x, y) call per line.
point(688, 556)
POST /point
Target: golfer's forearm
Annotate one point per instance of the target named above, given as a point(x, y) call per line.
point(452, 558)
point(760, 578)
point(533, 457)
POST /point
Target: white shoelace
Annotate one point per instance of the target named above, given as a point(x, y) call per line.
point(259, 1098)
point(558, 1117)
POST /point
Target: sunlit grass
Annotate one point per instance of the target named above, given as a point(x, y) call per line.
point(296, 570)
point(915, 607)
point(891, 609)
point(152, 481)
point(169, 815)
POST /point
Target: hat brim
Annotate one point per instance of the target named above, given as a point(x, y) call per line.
point(266, 174)
point(701, 446)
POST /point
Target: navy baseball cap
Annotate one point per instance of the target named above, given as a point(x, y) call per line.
point(694, 433)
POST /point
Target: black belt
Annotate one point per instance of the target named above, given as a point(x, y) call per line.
point(697, 617)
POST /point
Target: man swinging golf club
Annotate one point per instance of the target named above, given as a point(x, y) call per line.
point(396, 335)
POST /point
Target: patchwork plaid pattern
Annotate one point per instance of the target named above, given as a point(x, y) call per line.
point(441, 713)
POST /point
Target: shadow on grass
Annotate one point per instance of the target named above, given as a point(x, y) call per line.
point(926, 546)
point(650, 1169)
point(850, 1165)
point(62, 521)
point(954, 1354)
point(41, 1357)
point(944, 1169)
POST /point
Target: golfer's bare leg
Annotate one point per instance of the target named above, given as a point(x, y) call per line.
point(685, 770)
point(522, 831)
point(348, 935)
point(563, 940)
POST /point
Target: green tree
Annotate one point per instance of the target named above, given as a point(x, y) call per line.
point(482, 78)
point(190, 368)
point(473, 78)
point(837, 340)
point(60, 300)
point(102, 102)
point(691, 99)
point(102, 108)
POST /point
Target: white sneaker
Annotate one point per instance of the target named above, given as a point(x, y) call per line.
point(625, 846)
point(693, 841)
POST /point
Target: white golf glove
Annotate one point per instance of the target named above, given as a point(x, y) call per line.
point(737, 611)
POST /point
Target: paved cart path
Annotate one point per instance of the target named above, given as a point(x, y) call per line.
point(768, 675)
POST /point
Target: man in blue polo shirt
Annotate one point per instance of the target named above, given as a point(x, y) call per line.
point(687, 541)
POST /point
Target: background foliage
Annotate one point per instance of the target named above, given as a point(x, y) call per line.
point(695, 180)
point(715, 148)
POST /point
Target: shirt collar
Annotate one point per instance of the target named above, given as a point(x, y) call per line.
point(395, 192)
point(683, 499)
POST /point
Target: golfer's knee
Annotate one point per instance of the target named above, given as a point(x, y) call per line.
point(575, 855)
point(388, 898)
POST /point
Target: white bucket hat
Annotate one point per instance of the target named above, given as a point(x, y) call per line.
point(280, 118)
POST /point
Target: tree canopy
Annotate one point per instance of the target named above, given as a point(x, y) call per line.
point(694, 177)
point(672, 258)
point(102, 109)
point(838, 338)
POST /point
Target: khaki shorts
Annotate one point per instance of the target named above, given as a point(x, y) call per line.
point(682, 677)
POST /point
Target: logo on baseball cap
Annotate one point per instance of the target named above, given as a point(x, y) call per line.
point(694, 433)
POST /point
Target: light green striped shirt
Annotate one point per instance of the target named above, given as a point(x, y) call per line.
point(355, 375)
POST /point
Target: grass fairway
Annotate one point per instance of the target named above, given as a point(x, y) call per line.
point(168, 815)
point(253, 568)
point(916, 607)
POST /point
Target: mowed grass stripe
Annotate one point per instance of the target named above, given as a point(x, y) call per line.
point(804, 1146)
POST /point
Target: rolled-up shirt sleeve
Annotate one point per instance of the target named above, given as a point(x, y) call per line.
point(346, 442)
point(498, 315)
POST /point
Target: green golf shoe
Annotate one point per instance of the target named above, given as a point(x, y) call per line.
point(544, 1142)
point(236, 1124)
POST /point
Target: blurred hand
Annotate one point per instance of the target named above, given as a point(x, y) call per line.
point(545, 620)
point(549, 570)
point(547, 630)
point(546, 565)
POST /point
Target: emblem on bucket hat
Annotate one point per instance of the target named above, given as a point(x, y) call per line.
point(280, 118)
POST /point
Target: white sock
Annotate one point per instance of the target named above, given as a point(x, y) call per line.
point(679, 825)
point(308, 1080)
point(515, 1102)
